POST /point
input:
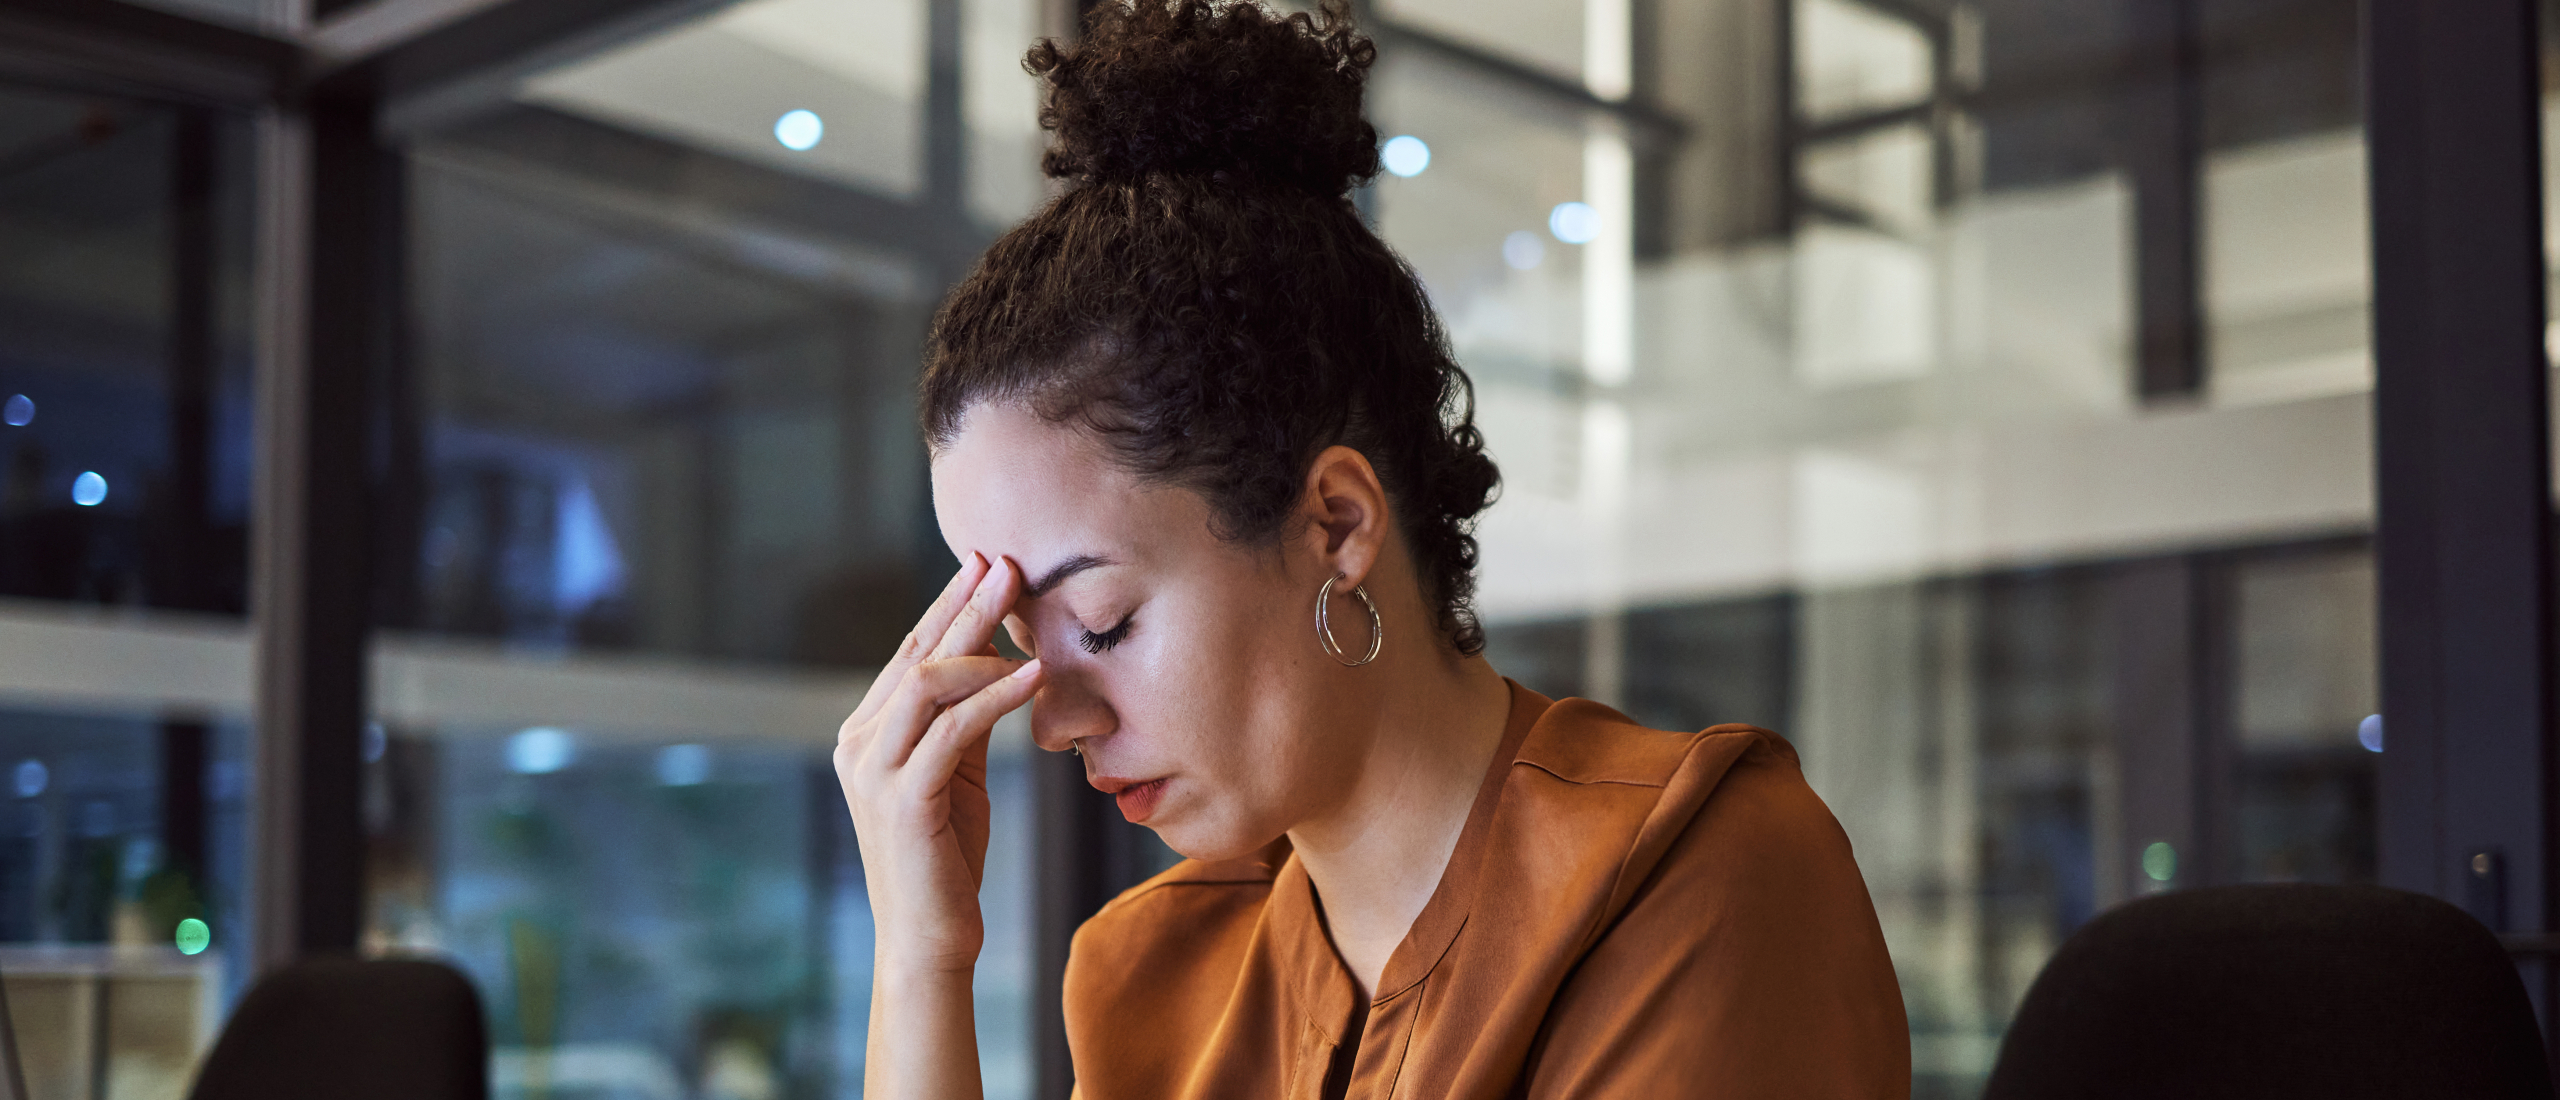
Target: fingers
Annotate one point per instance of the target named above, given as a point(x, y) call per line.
point(927, 634)
point(966, 725)
point(975, 626)
point(924, 691)
point(1023, 639)
point(946, 607)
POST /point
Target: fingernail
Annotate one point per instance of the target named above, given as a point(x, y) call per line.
point(1028, 670)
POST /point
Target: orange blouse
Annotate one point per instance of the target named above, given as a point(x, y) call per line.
point(1628, 913)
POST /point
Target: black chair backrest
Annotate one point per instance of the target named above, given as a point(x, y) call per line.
point(328, 1029)
point(2272, 992)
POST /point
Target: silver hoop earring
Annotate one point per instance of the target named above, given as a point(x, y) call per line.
point(1324, 624)
point(1075, 748)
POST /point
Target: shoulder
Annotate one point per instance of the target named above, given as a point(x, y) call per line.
point(1703, 806)
point(1730, 809)
point(1740, 913)
point(1196, 899)
point(1583, 744)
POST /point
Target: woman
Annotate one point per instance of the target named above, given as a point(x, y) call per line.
point(1198, 440)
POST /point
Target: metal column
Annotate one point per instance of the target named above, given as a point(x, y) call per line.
point(2462, 457)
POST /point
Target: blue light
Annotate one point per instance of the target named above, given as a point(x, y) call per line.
point(684, 765)
point(540, 750)
point(1406, 155)
point(1523, 250)
point(31, 778)
point(2369, 733)
point(88, 490)
point(799, 131)
point(586, 564)
point(1574, 222)
point(19, 411)
point(376, 742)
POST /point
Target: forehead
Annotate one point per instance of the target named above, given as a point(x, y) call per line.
point(1012, 484)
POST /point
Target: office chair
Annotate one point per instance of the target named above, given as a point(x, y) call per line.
point(328, 1029)
point(2274, 992)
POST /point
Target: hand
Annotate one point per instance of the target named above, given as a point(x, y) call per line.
point(913, 762)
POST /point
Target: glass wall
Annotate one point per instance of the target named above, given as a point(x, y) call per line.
point(657, 506)
point(1977, 393)
point(125, 413)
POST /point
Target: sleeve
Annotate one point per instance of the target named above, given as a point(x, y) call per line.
point(1749, 965)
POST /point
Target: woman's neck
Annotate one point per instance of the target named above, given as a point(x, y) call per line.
point(1377, 857)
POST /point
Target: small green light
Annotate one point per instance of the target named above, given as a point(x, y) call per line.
point(193, 936)
point(2160, 861)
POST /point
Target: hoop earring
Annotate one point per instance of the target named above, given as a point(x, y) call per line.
point(1324, 624)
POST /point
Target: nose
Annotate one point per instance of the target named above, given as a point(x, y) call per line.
point(1068, 710)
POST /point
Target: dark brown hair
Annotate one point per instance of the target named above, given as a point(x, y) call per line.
point(1202, 294)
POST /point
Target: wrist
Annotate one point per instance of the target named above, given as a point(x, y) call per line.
point(908, 977)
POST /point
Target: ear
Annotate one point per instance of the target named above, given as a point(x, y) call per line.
point(1345, 509)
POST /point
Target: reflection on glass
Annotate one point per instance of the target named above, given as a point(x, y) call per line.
point(1547, 35)
point(659, 506)
point(1003, 109)
point(124, 440)
point(641, 933)
point(121, 860)
point(721, 83)
point(2306, 663)
point(637, 445)
point(1875, 469)
point(124, 505)
point(1853, 57)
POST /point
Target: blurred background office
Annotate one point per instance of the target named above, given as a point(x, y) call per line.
point(450, 513)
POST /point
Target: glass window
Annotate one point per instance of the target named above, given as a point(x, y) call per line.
point(1005, 139)
point(124, 359)
point(1853, 58)
point(1831, 413)
point(124, 649)
point(663, 507)
point(2308, 728)
point(835, 90)
point(1547, 35)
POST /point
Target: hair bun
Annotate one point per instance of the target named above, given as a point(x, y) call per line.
point(1210, 88)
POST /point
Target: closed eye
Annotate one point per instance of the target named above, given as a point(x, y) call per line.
point(1096, 643)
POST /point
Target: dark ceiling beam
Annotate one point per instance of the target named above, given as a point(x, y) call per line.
point(1647, 121)
point(385, 53)
point(119, 48)
point(668, 172)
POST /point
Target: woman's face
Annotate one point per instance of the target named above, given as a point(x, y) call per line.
point(1185, 666)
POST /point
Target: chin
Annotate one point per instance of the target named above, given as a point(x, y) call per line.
point(1209, 843)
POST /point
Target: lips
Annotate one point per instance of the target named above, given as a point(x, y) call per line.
point(1137, 798)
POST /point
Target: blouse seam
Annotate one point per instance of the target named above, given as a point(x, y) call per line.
point(1652, 784)
point(1152, 888)
point(1404, 1052)
point(1602, 922)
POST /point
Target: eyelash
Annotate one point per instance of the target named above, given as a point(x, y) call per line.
point(1096, 643)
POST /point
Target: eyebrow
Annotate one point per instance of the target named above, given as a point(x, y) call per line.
point(1059, 573)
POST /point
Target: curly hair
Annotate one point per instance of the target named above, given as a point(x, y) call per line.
point(1203, 295)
